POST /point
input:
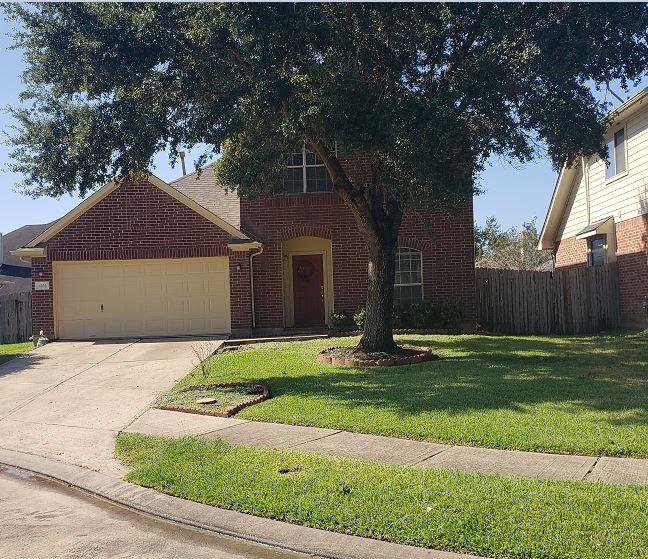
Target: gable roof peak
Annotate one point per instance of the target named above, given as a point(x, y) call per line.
point(105, 190)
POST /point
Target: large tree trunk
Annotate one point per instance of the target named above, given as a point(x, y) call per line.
point(377, 334)
point(378, 215)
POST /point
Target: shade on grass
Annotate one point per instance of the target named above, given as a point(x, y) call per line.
point(583, 395)
point(10, 351)
point(441, 509)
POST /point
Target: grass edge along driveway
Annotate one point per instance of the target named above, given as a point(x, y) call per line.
point(562, 394)
point(439, 509)
point(11, 351)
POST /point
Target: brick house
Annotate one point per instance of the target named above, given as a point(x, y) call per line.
point(599, 212)
point(153, 259)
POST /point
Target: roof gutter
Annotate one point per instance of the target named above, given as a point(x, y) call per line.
point(26, 253)
point(245, 245)
point(624, 107)
point(541, 242)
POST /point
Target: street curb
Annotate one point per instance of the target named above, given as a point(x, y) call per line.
point(241, 526)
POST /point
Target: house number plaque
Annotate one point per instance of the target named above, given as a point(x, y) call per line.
point(41, 286)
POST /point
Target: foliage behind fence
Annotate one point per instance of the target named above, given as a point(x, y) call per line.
point(15, 317)
point(570, 301)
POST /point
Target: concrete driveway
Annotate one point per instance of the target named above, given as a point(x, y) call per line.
point(68, 400)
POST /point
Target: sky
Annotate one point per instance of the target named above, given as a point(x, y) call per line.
point(512, 192)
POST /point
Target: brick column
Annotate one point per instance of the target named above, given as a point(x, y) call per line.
point(240, 300)
point(42, 301)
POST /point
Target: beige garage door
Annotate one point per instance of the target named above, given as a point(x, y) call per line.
point(127, 298)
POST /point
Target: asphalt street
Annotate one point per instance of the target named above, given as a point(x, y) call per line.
point(40, 519)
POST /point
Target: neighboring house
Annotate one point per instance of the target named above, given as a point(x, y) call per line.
point(15, 274)
point(154, 259)
point(599, 212)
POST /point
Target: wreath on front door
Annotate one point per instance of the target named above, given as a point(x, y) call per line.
point(305, 271)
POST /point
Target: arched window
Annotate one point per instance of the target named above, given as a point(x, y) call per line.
point(408, 285)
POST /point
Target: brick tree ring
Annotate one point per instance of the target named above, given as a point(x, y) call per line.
point(345, 357)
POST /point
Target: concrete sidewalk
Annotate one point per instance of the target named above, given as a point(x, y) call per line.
point(395, 451)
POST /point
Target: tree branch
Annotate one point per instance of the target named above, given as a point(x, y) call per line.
point(338, 175)
point(240, 61)
point(460, 56)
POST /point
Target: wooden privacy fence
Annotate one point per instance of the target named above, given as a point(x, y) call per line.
point(571, 301)
point(15, 317)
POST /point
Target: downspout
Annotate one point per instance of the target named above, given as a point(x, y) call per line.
point(587, 189)
point(252, 284)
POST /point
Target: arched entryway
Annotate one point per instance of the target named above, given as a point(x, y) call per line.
point(307, 281)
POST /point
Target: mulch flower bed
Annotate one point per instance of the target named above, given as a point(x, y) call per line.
point(353, 357)
point(346, 333)
point(230, 398)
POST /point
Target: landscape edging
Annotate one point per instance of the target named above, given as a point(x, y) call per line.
point(425, 354)
point(265, 394)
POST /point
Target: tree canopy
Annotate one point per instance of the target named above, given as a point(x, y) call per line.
point(431, 89)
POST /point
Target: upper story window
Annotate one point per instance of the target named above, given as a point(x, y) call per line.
point(306, 173)
point(597, 251)
point(617, 155)
point(408, 285)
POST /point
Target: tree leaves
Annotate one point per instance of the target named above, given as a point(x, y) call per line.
point(430, 91)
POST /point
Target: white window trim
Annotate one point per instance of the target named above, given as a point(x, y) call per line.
point(304, 166)
point(624, 173)
point(422, 283)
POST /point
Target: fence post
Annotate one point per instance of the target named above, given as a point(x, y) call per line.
point(15, 317)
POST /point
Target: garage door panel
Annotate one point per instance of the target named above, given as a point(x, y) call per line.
point(195, 268)
point(142, 297)
point(216, 266)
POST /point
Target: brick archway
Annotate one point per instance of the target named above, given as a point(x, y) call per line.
point(305, 230)
point(413, 242)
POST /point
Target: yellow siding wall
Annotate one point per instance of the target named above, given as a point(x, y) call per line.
point(624, 197)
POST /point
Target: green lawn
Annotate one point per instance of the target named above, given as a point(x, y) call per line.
point(441, 509)
point(582, 395)
point(9, 351)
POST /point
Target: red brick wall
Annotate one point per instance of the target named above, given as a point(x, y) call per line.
point(137, 220)
point(632, 262)
point(571, 252)
point(448, 260)
point(632, 259)
point(240, 299)
point(42, 301)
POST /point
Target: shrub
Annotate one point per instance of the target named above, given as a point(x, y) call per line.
point(423, 314)
point(451, 313)
point(359, 318)
point(339, 321)
point(401, 316)
point(445, 313)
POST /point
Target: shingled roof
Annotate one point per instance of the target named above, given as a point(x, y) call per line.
point(19, 238)
point(203, 190)
point(15, 274)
